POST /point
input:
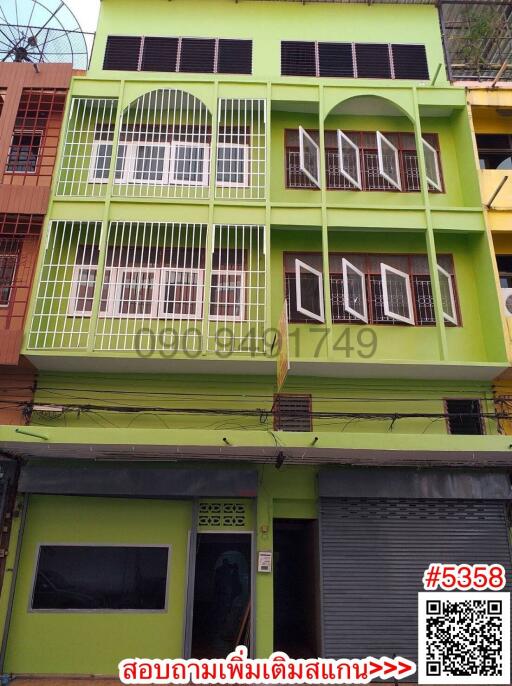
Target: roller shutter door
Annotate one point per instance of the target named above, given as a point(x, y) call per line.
point(373, 555)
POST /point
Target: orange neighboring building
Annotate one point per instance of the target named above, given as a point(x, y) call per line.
point(32, 102)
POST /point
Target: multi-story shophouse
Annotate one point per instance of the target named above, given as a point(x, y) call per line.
point(31, 110)
point(486, 73)
point(266, 326)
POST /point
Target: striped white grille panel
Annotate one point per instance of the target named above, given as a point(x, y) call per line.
point(241, 150)
point(238, 290)
point(65, 289)
point(87, 151)
point(153, 288)
point(164, 147)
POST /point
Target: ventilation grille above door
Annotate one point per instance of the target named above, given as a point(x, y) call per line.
point(222, 515)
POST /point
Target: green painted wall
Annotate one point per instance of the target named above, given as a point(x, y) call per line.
point(183, 393)
point(267, 23)
point(85, 643)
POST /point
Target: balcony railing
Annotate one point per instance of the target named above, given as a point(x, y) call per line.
point(161, 289)
point(164, 148)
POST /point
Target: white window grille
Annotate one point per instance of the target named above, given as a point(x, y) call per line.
point(354, 291)
point(349, 160)
point(87, 149)
point(447, 295)
point(153, 288)
point(164, 147)
point(309, 157)
point(432, 165)
point(65, 290)
point(397, 294)
point(309, 291)
point(389, 165)
point(241, 149)
point(238, 294)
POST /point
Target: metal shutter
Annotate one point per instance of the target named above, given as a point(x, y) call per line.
point(292, 413)
point(298, 58)
point(235, 56)
point(335, 59)
point(198, 55)
point(410, 62)
point(159, 54)
point(122, 53)
point(374, 553)
point(373, 61)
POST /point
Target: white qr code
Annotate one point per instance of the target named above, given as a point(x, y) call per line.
point(464, 638)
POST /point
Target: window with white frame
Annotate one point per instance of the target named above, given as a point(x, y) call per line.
point(189, 163)
point(141, 283)
point(371, 288)
point(232, 165)
point(228, 286)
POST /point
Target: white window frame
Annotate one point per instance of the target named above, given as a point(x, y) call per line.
point(302, 136)
point(346, 265)
point(427, 148)
point(246, 163)
point(241, 303)
point(73, 311)
point(198, 313)
point(203, 180)
point(115, 287)
point(344, 139)
point(299, 265)
point(130, 170)
point(94, 156)
point(449, 318)
point(384, 269)
point(380, 140)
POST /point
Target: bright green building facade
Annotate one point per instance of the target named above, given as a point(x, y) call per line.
point(186, 207)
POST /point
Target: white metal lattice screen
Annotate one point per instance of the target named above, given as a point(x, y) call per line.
point(241, 149)
point(87, 152)
point(164, 147)
point(236, 318)
point(153, 288)
point(65, 291)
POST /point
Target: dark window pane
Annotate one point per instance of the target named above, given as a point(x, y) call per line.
point(197, 55)
point(298, 58)
point(235, 56)
point(464, 417)
point(373, 61)
point(335, 59)
point(23, 153)
point(292, 413)
point(159, 54)
point(410, 62)
point(122, 53)
point(504, 263)
point(101, 578)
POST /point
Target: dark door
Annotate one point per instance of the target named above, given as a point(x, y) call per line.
point(222, 594)
point(296, 588)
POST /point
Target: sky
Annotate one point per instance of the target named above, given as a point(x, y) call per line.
point(86, 12)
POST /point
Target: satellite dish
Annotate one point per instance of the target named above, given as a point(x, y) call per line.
point(41, 31)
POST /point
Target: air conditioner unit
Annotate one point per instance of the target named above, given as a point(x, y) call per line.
point(506, 297)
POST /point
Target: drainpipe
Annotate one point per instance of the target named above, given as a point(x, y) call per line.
point(8, 615)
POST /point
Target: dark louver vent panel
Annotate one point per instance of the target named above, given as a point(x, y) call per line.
point(122, 53)
point(464, 417)
point(292, 413)
point(298, 58)
point(198, 55)
point(373, 61)
point(160, 54)
point(410, 62)
point(235, 56)
point(335, 59)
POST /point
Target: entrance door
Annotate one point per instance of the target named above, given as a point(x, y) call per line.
point(296, 592)
point(222, 594)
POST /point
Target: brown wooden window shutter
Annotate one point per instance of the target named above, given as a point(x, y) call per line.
point(410, 62)
point(122, 53)
point(235, 56)
point(160, 54)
